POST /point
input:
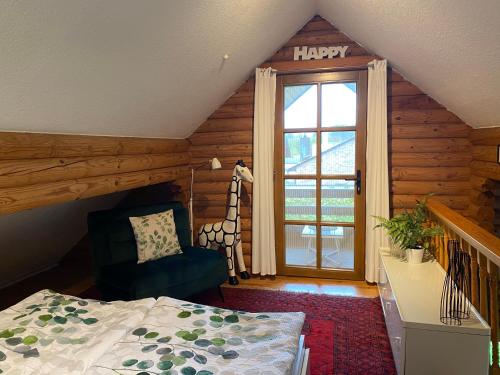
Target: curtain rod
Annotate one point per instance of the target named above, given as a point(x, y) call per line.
point(320, 70)
point(325, 70)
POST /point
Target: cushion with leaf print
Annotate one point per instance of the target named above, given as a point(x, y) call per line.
point(155, 236)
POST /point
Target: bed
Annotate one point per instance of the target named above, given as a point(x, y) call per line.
point(51, 333)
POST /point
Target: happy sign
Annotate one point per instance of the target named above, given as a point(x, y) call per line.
point(308, 53)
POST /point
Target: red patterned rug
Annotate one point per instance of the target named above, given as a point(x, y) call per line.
point(346, 335)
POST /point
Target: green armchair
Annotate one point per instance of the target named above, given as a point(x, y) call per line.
point(117, 274)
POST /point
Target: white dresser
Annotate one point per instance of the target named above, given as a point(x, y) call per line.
point(421, 344)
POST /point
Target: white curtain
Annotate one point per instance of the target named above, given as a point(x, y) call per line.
point(377, 169)
point(263, 249)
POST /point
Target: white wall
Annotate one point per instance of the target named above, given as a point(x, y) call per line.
point(31, 241)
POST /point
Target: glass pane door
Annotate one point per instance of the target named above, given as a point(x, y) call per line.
point(320, 148)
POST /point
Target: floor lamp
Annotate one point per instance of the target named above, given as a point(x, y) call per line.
point(213, 164)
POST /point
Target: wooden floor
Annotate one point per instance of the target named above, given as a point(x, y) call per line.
point(311, 285)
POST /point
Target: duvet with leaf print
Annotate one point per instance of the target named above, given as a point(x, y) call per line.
point(50, 333)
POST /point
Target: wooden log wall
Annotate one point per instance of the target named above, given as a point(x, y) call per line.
point(429, 146)
point(485, 178)
point(42, 169)
point(429, 149)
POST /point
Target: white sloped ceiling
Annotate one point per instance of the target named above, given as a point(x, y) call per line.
point(449, 48)
point(155, 68)
point(128, 67)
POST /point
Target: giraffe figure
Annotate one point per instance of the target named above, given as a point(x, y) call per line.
point(227, 233)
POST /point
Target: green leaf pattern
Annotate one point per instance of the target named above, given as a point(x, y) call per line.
point(27, 345)
point(155, 236)
point(48, 326)
point(187, 338)
point(69, 335)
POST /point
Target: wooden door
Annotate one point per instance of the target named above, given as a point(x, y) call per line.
point(320, 201)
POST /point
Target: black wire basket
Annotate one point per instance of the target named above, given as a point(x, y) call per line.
point(455, 305)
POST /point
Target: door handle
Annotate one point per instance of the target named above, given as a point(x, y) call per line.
point(358, 181)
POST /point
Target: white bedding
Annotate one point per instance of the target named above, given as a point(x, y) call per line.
point(49, 333)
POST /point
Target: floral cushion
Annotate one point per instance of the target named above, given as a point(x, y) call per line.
point(155, 236)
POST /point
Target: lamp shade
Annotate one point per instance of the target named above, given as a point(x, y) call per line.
point(215, 164)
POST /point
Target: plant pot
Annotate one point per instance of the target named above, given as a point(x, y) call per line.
point(415, 255)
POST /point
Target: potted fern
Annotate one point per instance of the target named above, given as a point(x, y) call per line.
point(410, 231)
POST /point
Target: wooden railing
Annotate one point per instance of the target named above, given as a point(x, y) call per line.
point(484, 249)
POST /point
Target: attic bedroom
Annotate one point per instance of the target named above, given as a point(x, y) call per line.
point(303, 187)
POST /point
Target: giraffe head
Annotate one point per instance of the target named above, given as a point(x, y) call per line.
point(241, 171)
